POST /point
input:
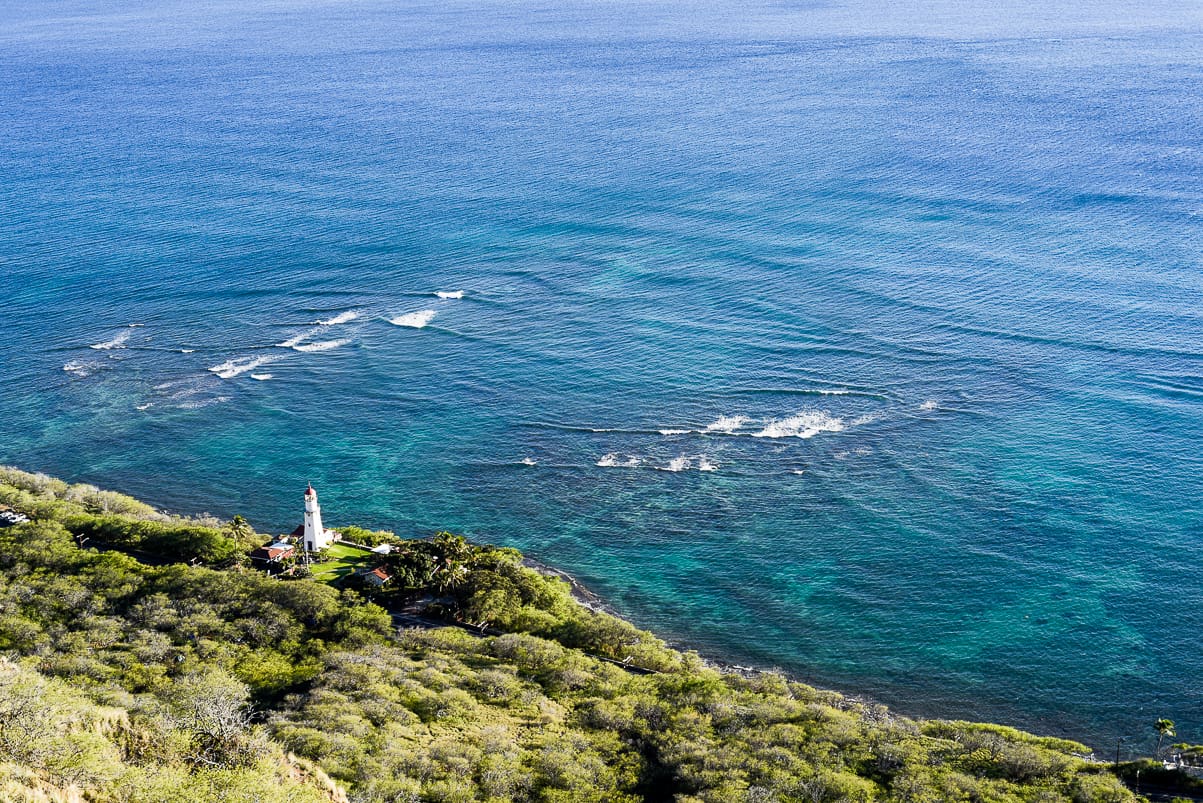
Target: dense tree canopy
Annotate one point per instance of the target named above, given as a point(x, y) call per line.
point(159, 680)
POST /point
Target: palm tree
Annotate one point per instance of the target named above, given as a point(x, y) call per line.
point(1165, 727)
point(240, 528)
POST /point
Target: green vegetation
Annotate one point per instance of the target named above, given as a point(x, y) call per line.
point(56, 740)
point(111, 519)
point(1164, 728)
point(369, 538)
point(194, 683)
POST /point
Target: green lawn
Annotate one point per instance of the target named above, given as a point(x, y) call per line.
point(340, 561)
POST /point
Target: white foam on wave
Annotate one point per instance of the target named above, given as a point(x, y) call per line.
point(321, 345)
point(677, 464)
point(232, 368)
point(727, 424)
point(261, 377)
point(146, 406)
point(117, 342)
point(704, 464)
point(528, 461)
point(342, 317)
point(615, 460)
point(322, 325)
point(839, 392)
point(296, 339)
point(77, 368)
point(450, 294)
point(799, 472)
point(868, 418)
point(415, 320)
point(930, 404)
point(802, 425)
point(187, 351)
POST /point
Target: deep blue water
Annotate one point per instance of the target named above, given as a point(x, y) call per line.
point(922, 286)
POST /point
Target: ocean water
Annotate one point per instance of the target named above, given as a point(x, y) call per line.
point(865, 343)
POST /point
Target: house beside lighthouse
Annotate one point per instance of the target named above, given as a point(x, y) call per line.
point(313, 535)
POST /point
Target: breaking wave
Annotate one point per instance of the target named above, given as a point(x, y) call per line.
point(727, 424)
point(686, 462)
point(416, 320)
point(322, 325)
point(77, 368)
point(321, 345)
point(232, 368)
point(450, 294)
point(615, 460)
point(680, 463)
point(802, 425)
point(293, 341)
point(342, 317)
point(117, 342)
point(261, 377)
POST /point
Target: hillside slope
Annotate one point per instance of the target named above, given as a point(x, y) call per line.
point(196, 683)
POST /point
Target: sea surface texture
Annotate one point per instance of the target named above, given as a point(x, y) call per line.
point(861, 340)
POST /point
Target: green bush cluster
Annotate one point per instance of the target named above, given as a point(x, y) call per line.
point(368, 538)
point(48, 497)
point(57, 743)
point(182, 682)
point(489, 586)
point(116, 520)
point(445, 716)
point(106, 615)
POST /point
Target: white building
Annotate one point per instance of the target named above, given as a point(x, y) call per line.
point(314, 535)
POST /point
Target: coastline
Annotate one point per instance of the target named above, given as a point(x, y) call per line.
point(596, 603)
point(541, 649)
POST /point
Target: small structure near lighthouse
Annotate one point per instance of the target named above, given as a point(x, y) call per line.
point(313, 535)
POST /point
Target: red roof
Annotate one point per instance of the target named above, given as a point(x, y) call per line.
point(272, 552)
point(377, 576)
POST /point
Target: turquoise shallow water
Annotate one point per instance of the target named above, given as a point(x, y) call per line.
point(861, 344)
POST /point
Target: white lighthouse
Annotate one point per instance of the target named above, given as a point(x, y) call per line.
point(315, 536)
